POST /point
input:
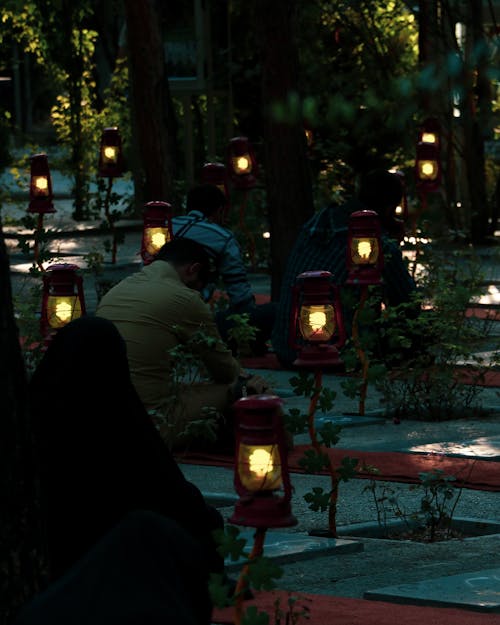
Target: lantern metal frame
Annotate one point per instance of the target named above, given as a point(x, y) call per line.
point(157, 216)
point(60, 281)
point(240, 147)
point(316, 288)
point(259, 426)
point(364, 227)
point(110, 167)
point(40, 197)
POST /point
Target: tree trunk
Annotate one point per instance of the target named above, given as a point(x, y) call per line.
point(288, 178)
point(21, 565)
point(150, 102)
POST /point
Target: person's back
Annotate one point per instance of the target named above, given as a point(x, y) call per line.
point(205, 207)
point(100, 455)
point(322, 245)
point(158, 309)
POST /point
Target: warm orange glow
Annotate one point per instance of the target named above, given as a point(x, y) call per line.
point(364, 250)
point(259, 467)
point(317, 322)
point(110, 154)
point(62, 309)
point(41, 185)
point(427, 170)
point(156, 239)
point(242, 164)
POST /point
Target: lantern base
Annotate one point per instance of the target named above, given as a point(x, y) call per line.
point(263, 510)
point(320, 356)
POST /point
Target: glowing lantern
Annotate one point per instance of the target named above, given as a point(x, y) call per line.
point(62, 297)
point(261, 476)
point(157, 229)
point(317, 326)
point(110, 154)
point(428, 160)
point(242, 164)
point(40, 186)
point(364, 248)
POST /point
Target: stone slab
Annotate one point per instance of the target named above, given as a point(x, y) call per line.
point(345, 419)
point(475, 590)
point(290, 546)
point(484, 448)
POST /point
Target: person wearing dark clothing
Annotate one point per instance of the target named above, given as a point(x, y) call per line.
point(203, 223)
point(100, 455)
point(322, 244)
point(146, 570)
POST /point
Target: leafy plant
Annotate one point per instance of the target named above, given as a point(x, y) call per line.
point(186, 368)
point(427, 382)
point(241, 334)
point(317, 459)
point(257, 573)
point(438, 501)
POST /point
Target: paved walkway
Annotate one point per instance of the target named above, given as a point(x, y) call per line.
point(377, 563)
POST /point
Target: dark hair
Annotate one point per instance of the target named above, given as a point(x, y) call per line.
point(206, 198)
point(183, 251)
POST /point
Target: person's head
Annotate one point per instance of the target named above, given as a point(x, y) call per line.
point(208, 199)
point(190, 259)
point(381, 191)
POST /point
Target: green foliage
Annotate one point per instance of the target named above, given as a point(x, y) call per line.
point(241, 334)
point(316, 459)
point(186, 368)
point(426, 384)
point(259, 573)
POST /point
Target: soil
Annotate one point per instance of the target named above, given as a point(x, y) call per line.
point(424, 535)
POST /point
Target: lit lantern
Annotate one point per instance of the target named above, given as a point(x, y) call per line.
point(40, 186)
point(110, 154)
point(365, 257)
point(428, 160)
point(157, 229)
point(242, 164)
point(261, 476)
point(317, 326)
point(62, 297)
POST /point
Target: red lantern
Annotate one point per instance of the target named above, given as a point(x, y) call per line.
point(365, 257)
point(317, 325)
point(428, 160)
point(62, 297)
point(41, 195)
point(216, 174)
point(110, 154)
point(242, 163)
point(261, 476)
point(157, 229)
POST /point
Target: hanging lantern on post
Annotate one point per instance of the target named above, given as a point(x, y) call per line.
point(41, 195)
point(110, 154)
point(62, 297)
point(317, 326)
point(428, 159)
point(261, 476)
point(365, 257)
point(157, 229)
point(242, 163)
